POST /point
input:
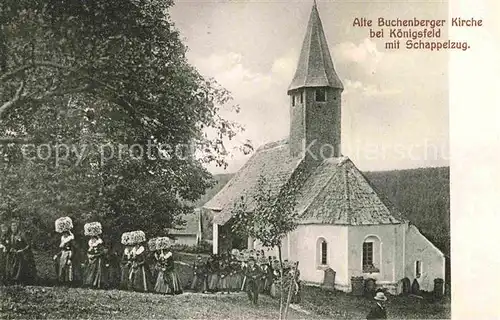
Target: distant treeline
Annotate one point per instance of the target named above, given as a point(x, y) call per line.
point(423, 196)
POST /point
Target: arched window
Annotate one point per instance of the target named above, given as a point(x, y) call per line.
point(371, 254)
point(418, 269)
point(322, 252)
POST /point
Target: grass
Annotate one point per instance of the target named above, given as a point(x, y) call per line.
point(75, 303)
point(58, 302)
point(340, 305)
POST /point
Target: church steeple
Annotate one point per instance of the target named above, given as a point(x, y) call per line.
point(315, 67)
point(315, 98)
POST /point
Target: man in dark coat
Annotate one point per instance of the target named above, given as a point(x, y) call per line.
point(378, 311)
point(253, 276)
point(199, 283)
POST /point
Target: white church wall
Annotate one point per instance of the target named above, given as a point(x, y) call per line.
point(431, 259)
point(387, 243)
point(305, 246)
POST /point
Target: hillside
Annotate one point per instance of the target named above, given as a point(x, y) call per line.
point(220, 182)
point(423, 195)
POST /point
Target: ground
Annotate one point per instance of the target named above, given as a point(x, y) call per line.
point(58, 302)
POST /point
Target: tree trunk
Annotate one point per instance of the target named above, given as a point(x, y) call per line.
point(281, 286)
point(289, 296)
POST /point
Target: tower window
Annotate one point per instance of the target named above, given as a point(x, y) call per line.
point(302, 97)
point(320, 95)
point(293, 100)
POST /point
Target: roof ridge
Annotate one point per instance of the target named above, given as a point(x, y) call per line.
point(320, 33)
point(273, 144)
point(308, 49)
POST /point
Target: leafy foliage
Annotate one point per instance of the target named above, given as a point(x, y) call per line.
point(268, 216)
point(115, 118)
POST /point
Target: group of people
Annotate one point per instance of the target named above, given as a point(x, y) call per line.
point(249, 271)
point(144, 266)
point(17, 265)
point(140, 269)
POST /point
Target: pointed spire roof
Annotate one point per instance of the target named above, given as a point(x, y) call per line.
point(315, 67)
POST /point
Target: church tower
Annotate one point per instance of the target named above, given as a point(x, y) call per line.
point(315, 98)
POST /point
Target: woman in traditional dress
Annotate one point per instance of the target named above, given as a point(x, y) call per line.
point(66, 261)
point(275, 286)
point(238, 274)
point(153, 258)
point(167, 281)
point(21, 267)
point(114, 271)
point(269, 275)
point(213, 273)
point(96, 271)
point(126, 261)
point(140, 274)
point(231, 278)
point(4, 249)
point(224, 272)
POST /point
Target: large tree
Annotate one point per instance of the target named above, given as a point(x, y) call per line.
point(268, 216)
point(95, 97)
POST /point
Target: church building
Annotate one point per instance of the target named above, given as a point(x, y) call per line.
point(345, 224)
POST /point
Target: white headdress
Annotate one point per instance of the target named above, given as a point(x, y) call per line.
point(64, 224)
point(92, 229)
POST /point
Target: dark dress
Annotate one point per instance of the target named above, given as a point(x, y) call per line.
point(224, 276)
point(20, 261)
point(126, 264)
point(167, 280)
point(377, 312)
point(67, 264)
point(213, 275)
point(268, 281)
point(114, 270)
point(236, 276)
point(4, 249)
point(96, 273)
point(274, 290)
point(199, 283)
point(140, 274)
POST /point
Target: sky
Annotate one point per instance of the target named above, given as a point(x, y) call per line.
point(395, 102)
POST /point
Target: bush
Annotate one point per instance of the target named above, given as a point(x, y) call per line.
point(203, 247)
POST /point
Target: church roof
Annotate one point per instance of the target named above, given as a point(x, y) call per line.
point(272, 161)
point(336, 192)
point(315, 67)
